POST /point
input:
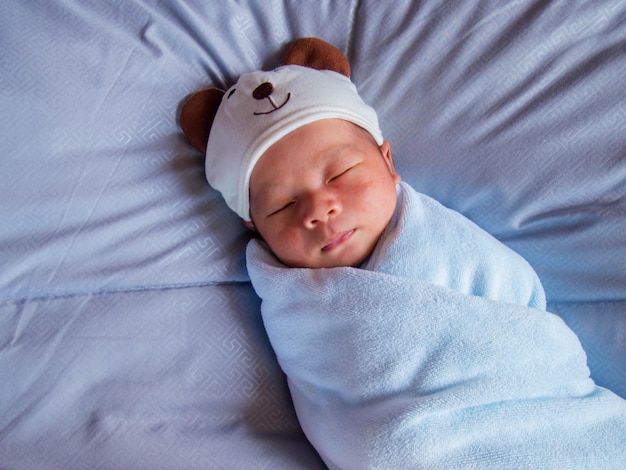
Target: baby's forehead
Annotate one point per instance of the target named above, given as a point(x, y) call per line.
point(330, 127)
point(342, 136)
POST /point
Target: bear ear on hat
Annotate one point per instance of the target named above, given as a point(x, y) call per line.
point(199, 110)
point(197, 115)
point(317, 54)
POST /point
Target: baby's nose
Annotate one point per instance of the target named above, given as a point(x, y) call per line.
point(263, 91)
point(320, 210)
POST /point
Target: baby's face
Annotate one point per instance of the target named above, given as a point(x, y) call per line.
point(322, 195)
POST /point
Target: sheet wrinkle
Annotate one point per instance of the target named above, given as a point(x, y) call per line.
point(546, 81)
point(539, 90)
point(63, 228)
point(188, 23)
point(45, 297)
point(144, 36)
point(496, 46)
point(41, 373)
point(86, 220)
point(26, 313)
point(463, 48)
point(524, 91)
point(112, 83)
point(352, 32)
point(7, 425)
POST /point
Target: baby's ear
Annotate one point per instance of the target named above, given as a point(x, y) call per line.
point(197, 115)
point(250, 225)
point(317, 54)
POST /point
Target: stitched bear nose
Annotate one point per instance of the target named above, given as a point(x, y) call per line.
point(263, 91)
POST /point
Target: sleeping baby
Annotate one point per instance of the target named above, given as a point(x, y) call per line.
point(409, 336)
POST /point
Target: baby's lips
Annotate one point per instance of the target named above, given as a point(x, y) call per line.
point(338, 240)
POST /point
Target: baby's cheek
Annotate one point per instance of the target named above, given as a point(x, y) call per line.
point(288, 241)
point(292, 238)
point(369, 191)
point(380, 198)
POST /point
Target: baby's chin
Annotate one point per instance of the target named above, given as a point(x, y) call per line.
point(319, 265)
point(348, 258)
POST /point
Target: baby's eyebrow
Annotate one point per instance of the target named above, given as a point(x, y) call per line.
point(269, 192)
point(341, 151)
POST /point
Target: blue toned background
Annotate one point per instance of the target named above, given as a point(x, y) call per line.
point(129, 333)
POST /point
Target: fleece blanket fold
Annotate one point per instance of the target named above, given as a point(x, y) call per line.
point(390, 369)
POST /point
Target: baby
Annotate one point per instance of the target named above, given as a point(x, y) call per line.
point(421, 333)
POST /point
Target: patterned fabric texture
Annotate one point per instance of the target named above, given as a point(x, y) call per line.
point(130, 336)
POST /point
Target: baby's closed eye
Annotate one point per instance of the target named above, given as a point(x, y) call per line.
point(282, 208)
point(342, 172)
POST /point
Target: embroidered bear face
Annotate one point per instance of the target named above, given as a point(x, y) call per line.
point(199, 110)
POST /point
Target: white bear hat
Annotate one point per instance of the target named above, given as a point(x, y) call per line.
point(264, 106)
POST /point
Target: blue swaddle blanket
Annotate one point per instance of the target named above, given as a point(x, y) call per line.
point(426, 241)
point(436, 355)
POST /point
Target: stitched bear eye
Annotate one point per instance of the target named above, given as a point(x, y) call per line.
point(231, 93)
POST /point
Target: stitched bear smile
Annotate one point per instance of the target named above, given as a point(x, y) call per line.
point(264, 91)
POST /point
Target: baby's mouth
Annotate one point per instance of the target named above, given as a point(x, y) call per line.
point(338, 240)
